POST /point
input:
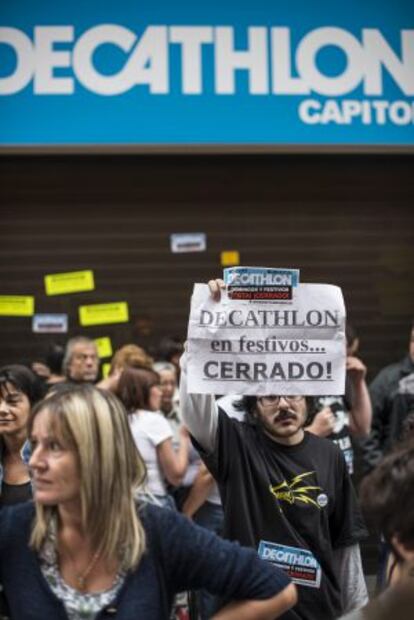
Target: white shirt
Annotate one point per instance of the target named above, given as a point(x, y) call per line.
point(150, 429)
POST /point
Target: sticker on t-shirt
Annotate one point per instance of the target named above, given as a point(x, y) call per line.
point(322, 500)
point(299, 564)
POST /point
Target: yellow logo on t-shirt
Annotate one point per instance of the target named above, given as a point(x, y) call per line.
point(295, 491)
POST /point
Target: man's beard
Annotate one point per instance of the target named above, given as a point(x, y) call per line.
point(271, 427)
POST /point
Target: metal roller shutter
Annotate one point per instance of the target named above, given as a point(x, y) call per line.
point(342, 219)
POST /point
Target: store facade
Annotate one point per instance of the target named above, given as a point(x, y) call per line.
point(283, 133)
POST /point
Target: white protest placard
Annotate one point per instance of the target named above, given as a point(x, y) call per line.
point(244, 347)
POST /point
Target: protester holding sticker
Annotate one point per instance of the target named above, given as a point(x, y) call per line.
point(285, 492)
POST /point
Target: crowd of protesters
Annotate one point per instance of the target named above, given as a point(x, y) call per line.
point(94, 473)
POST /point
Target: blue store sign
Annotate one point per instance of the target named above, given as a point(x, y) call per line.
point(234, 72)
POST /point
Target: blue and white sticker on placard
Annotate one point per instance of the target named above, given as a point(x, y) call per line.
point(261, 283)
point(299, 564)
point(50, 323)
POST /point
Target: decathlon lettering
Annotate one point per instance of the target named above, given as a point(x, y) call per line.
point(288, 557)
point(269, 318)
point(273, 65)
point(300, 564)
point(259, 279)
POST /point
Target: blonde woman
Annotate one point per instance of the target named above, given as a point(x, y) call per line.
point(86, 549)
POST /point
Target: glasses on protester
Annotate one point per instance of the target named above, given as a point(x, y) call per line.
point(273, 401)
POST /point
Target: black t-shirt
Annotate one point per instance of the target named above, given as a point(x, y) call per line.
point(294, 504)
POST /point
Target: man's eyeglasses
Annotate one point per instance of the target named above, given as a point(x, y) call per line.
point(273, 401)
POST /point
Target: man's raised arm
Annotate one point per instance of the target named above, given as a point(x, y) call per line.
point(199, 411)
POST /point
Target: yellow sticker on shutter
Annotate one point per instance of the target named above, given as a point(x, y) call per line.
point(70, 282)
point(230, 258)
point(104, 346)
point(105, 370)
point(103, 314)
point(17, 305)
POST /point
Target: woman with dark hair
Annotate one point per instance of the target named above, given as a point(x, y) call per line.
point(387, 498)
point(140, 393)
point(20, 389)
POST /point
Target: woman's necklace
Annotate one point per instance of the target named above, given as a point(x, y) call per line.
point(82, 577)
